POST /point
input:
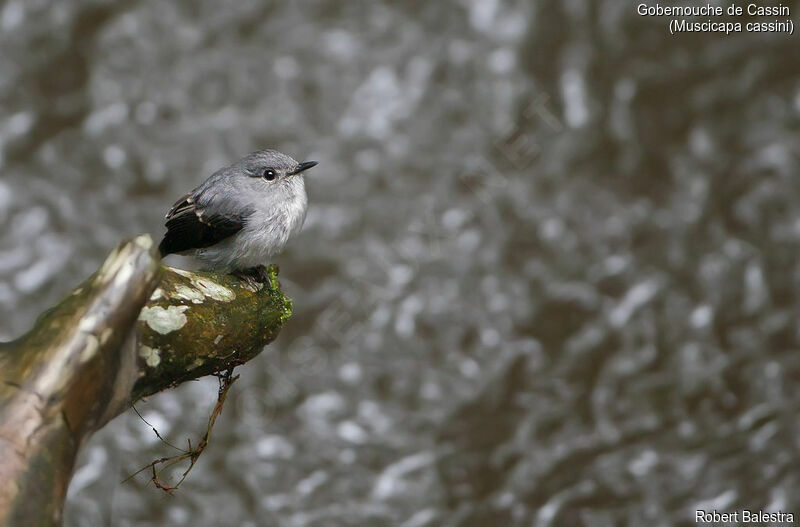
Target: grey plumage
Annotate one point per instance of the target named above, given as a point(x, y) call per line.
point(242, 215)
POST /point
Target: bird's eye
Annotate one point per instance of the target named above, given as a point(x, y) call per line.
point(269, 174)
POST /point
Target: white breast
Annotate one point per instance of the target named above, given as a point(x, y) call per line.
point(276, 220)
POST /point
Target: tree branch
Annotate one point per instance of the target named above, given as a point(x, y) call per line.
point(197, 323)
point(132, 329)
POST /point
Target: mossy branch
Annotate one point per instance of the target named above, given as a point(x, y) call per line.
point(198, 323)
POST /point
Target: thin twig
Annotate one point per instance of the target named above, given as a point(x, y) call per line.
point(155, 431)
point(226, 379)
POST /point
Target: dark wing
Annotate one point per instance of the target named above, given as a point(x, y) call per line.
point(192, 225)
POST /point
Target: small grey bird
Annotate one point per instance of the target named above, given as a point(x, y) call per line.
point(242, 215)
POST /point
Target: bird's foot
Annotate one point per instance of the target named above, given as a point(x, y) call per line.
point(254, 275)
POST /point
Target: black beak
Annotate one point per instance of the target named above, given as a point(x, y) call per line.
point(302, 167)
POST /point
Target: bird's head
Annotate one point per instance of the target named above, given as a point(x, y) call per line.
point(273, 168)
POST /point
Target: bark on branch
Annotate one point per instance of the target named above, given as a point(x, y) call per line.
point(132, 329)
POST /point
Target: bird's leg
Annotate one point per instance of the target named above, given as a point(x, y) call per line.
point(263, 276)
point(246, 276)
point(254, 275)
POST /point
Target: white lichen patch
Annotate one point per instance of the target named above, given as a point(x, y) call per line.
point(163, 320)
point(158, 293)
point(214, 290)
point(185, 292)
point(207, 287)
point(90, 350)
point(182, 272)
point(151, 356)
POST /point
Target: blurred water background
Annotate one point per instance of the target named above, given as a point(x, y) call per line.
point(548, 275)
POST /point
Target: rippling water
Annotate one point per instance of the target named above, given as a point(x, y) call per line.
point(548, 275)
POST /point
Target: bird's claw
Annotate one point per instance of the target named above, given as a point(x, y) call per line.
point(255, 275)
